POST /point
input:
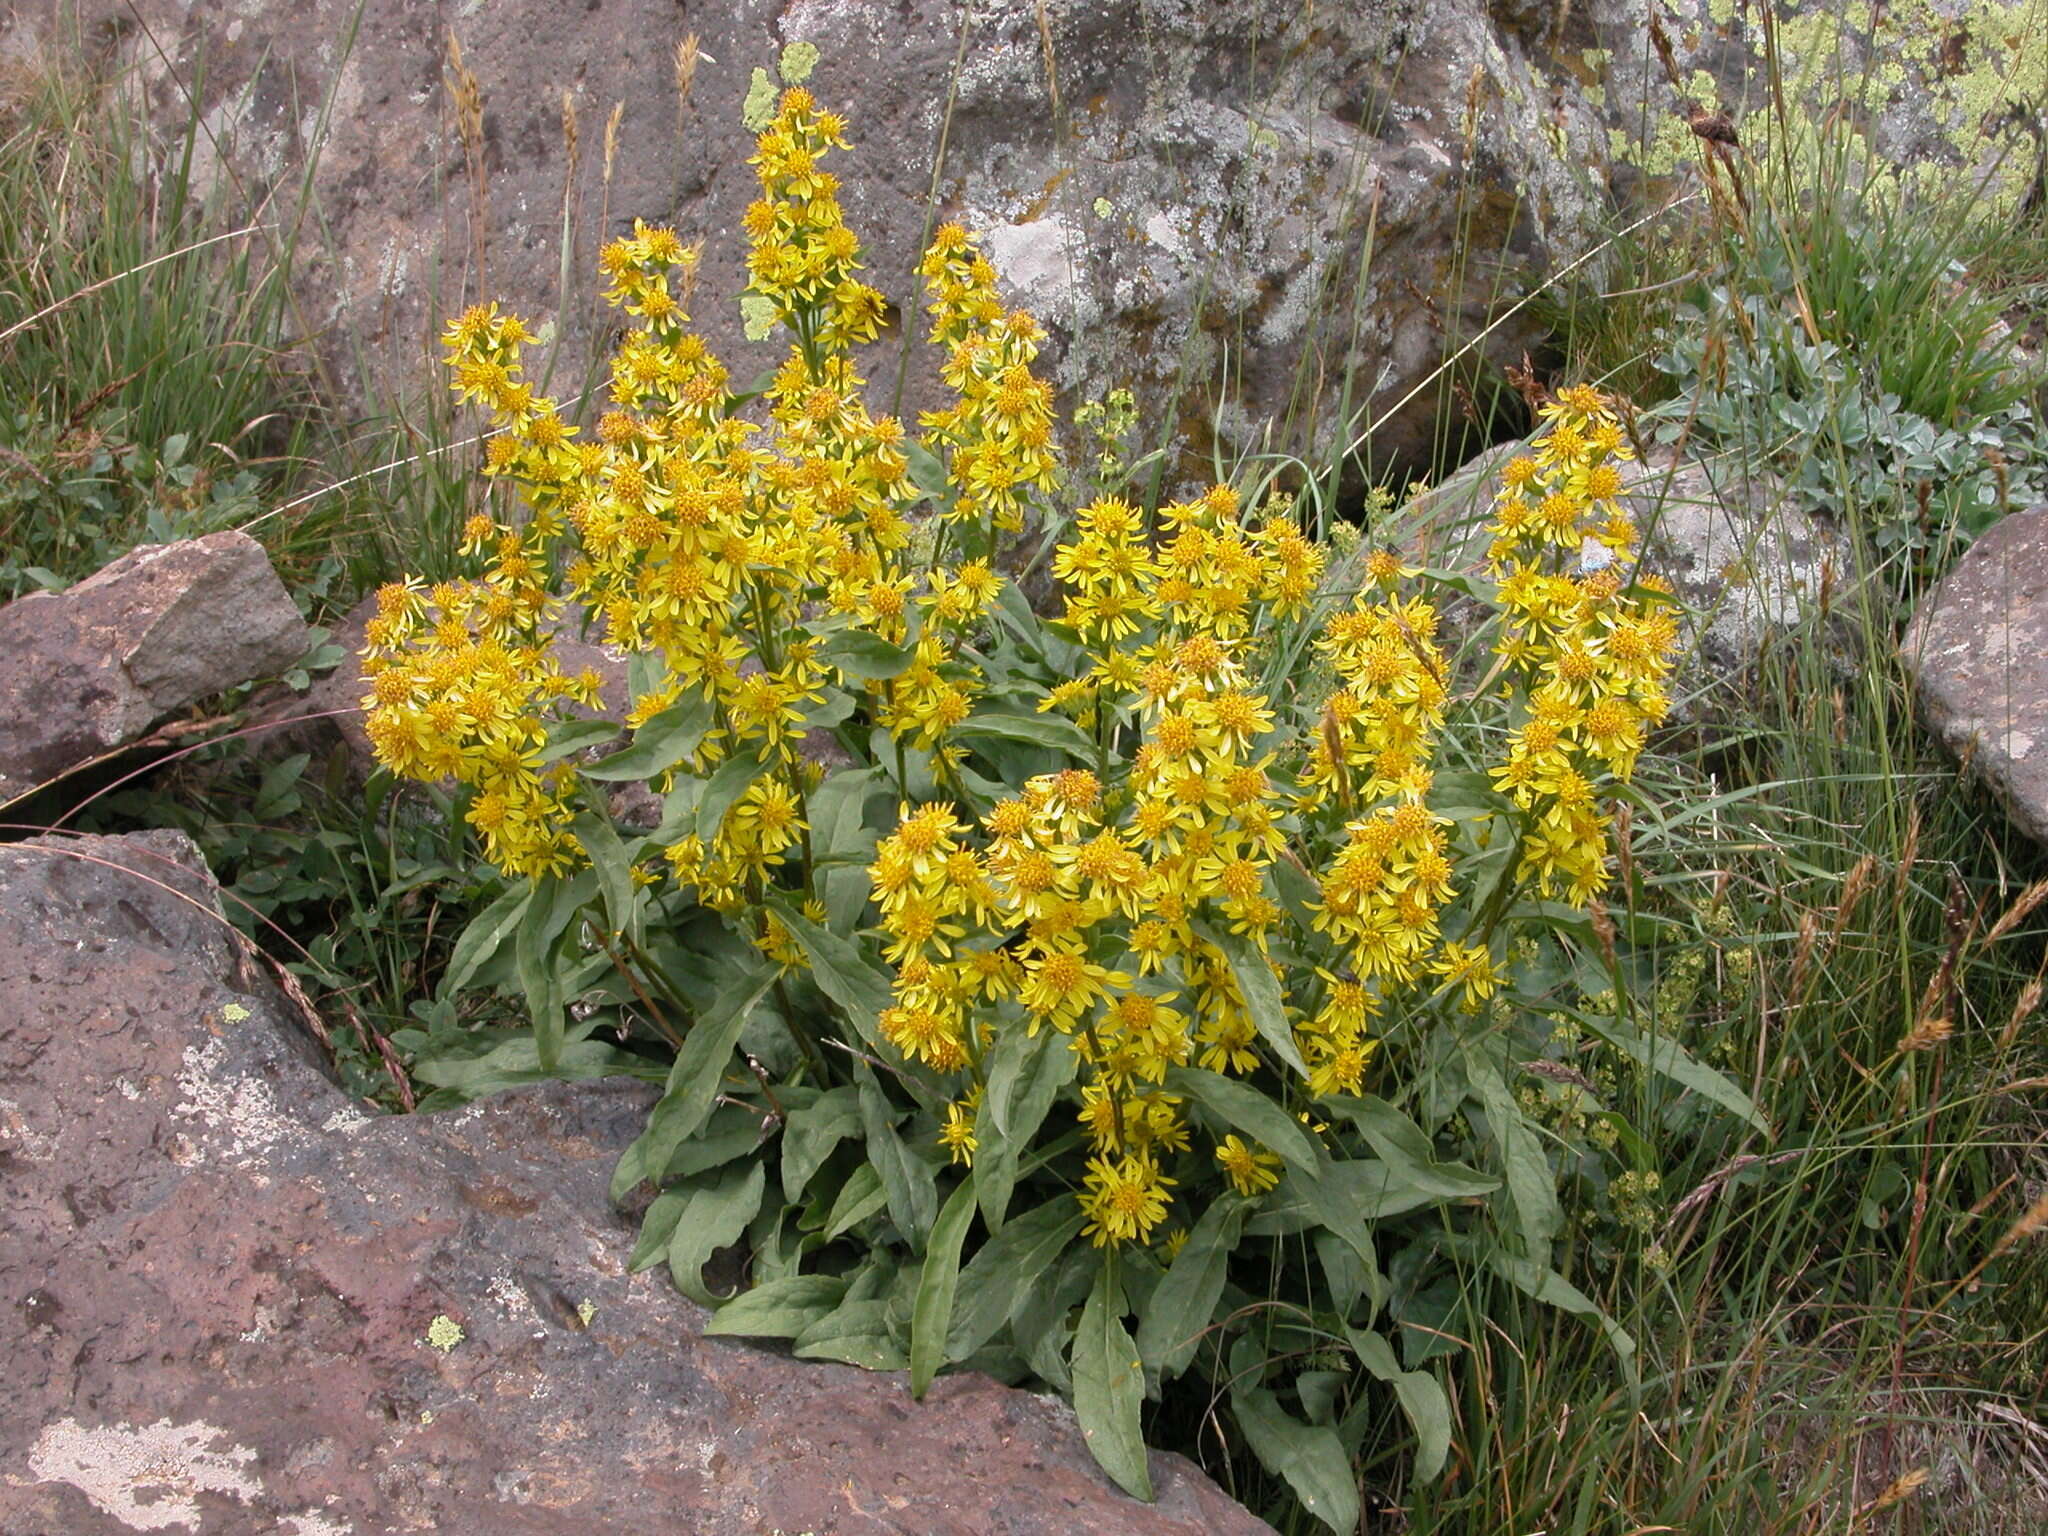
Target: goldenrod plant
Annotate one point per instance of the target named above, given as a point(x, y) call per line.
point(1168, 957)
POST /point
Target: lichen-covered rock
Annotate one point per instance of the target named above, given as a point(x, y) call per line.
point(1978, 651)
point(1186, 192)
point(93, 667)
point(236, 1305)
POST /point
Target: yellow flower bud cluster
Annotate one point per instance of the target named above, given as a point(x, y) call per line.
point(1586, 651)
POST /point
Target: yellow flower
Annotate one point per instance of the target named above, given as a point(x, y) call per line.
point(1124, 1198)
point(1252, 1170)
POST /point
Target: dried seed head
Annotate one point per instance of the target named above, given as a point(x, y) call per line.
point(2022, 1010)
point(2021, 909)
point(1901, 1489)
point(1926, 1035)
point(687, 55)
point(611, 139)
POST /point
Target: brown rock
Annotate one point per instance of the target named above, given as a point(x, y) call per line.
point(218, 1276)
point(1978, 651)
point(92, 668)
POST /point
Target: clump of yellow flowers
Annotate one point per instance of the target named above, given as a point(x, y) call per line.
point(1189, 867)
point(1585, 650)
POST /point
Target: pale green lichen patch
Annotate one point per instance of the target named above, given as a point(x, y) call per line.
point(234, 1013)
point(798, 60)
point(444, 1333)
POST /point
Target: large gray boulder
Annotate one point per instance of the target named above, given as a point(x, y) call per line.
point(1186, 193)
point(1977, 650)
point(94, 667)
point(223, 1285)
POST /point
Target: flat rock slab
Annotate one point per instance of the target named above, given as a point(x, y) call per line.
point(1978, 651)
point(218, 1277)
point(94, 667)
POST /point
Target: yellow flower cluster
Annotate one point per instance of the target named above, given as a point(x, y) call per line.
point(1084, 908)
point(462, 690)
point(1586, 650)
point(727, 550)
point(804, 255)
point(1000, 431)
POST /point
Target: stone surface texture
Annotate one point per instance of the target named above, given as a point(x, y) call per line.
point(1977, 650)
point(94, 667)
point(1184, 192)
point(219, 1277)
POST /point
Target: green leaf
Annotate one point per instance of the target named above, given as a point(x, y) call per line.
point(1309, 1457)
point(810, 1134)
point(1245, 1108)
point(539, 968)
point(909, 1183)
point(840, 834)
point(485, 933)
point(927, 473)
point(859, 1198)
point(1544, 1284)
point(723, 790)
point(858, 1333)
point(1421, 1399)
point(570, 736)
point(716, 1214)
point(840, 967)
point(1532, 1188)
point(1109, 1387)
point(516, 1063)
point(622, 901)
point(931, 1315)
point(860, 653)
point(1055, 732)
point(692, 1082)
point(1025, 1076)
point(1042, 1316)
point(1404, 1147)
point(1027, 1246)
point(1261, 989)
point(1183, 1303)
point(657, 1227)
point(778, 1309)
point(1667, 1057)
point(664, 741)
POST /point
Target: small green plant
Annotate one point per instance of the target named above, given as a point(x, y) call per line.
point(1186, 941)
